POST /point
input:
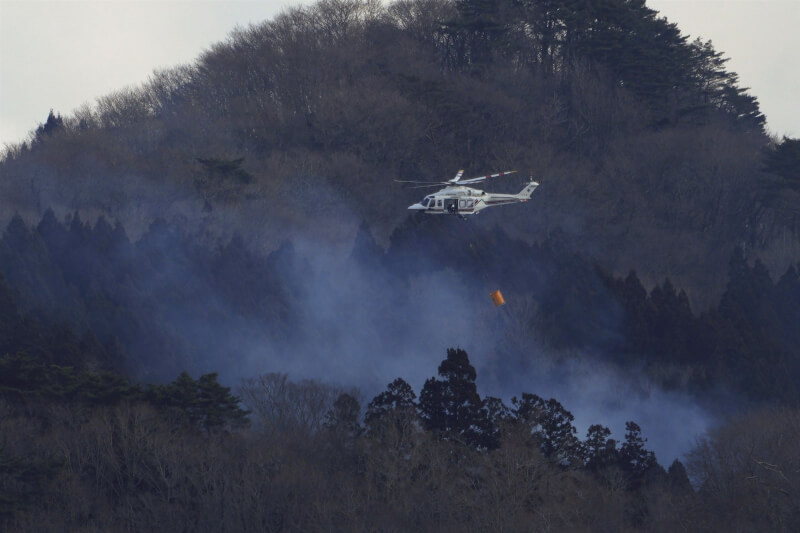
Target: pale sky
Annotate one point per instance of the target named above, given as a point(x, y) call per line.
point(762, 40)
point(61, 54)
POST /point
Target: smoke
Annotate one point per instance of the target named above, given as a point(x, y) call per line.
point(361, 326)
point(361, 318)
point(358, 323)
point(597, 392)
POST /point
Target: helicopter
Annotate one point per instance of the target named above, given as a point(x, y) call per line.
point(458, 199)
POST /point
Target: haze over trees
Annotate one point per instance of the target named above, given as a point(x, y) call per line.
point(235, 219)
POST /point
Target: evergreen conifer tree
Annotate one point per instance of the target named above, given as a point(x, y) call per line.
point(634, 458)
point(552, 425)
point(451, 405)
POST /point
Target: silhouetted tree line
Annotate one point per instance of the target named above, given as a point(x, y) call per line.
point(625, 41)
point(41, 361)
point(449, 460)
point(153, 302)
point(451, 408)
point(749, 340)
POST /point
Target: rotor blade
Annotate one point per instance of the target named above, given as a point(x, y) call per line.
point(478, 180)
point(428, 185)
point(458, 177)
point(422, 182)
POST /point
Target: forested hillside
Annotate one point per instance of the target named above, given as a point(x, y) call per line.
point(649, 152)
point(237, 219)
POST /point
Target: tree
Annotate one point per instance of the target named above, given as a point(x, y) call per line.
point(496, 410)
point(784, 160)
point(221, 409)
point(481, 27)
point(343, 416)
point(9, 316)
point(747, 473)
point(714, 88)
point(708, 72)
point(677, 478)
point(671, 325)
point(743, 108)
point(53, 124)
point(283, 407)
point(780, 188)
point(552, 425)
point(22, 482)
point(786, 294)
point(391, 418)
point(452, 406)
point(398, 398)
point(748, 331)
point(205, 403)
point(341, 431)
point(634, 458)
point(599, 451)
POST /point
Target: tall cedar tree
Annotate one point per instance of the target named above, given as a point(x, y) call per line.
point(452, 406)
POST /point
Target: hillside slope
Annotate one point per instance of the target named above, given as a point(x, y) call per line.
point(649, 154)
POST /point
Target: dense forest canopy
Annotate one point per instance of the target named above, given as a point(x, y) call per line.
point(236, 218)
point(183, 456)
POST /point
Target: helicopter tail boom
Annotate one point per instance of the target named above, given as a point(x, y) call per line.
point(525, 193)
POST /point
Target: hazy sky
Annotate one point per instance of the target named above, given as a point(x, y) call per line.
point(61, 54)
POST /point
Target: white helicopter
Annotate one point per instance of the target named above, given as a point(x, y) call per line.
point(458, 199)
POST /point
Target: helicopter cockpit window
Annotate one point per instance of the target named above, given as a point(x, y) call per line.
point(438, 203)
point(425, 202)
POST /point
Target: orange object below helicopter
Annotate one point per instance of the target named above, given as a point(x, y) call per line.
point(497, 298)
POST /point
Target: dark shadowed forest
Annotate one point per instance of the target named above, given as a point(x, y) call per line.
point(208, 280)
